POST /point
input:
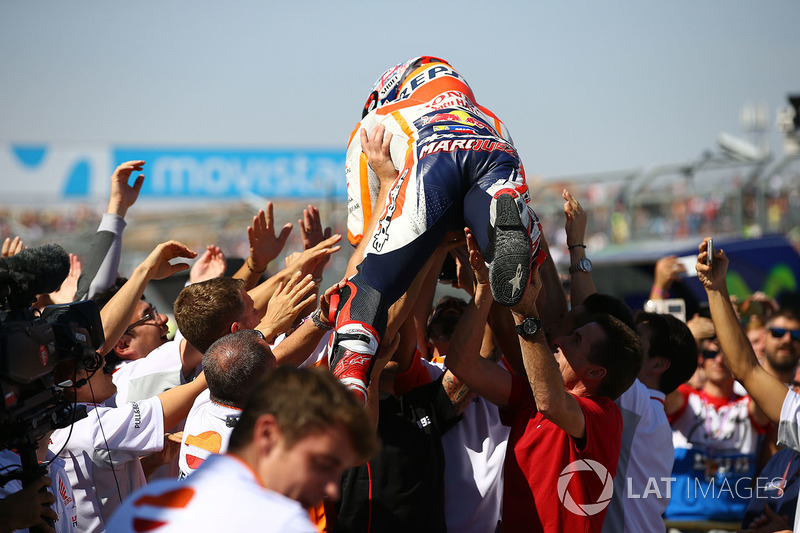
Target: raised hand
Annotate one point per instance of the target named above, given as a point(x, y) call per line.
point(311, 233)
point(308, 260)
point(575, 225)
point(210, 265)
point(124, 195)
point(668, 270)
point(376, 148)
point(264, 244)
point(157, 264)
point(712, 276)
point(12, 247)
point(66, 293)
point(285, 305)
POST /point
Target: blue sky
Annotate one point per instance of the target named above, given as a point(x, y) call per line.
point(583, 86)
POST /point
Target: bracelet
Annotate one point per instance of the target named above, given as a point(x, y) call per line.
point(251, 269)
point(576, 246)
point(659, 292)
point(315, 318)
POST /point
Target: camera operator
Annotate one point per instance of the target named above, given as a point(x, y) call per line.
point(102, 451)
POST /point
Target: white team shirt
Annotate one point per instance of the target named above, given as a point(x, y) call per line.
point(64, 505)
point(149, 376)
point(120, 436)
point(207, 431)
point(223, 495)
point(789, 435)
point(475, 450)
point(646, 454)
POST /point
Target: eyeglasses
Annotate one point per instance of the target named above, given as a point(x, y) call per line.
point(780, 332)
point(710, 354)
point(151, 314)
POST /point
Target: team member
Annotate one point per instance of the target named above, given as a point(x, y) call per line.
point(232, 365)
point(562, 414)
point(298, 432)
point(458, 165)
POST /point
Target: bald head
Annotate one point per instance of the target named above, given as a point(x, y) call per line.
point(233, 365)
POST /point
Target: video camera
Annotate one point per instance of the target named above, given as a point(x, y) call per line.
point(31, 346)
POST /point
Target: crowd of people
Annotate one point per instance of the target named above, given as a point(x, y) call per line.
point(369, 405)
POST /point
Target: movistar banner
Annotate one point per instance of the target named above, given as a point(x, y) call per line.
point(195, 173)
point(74, 172)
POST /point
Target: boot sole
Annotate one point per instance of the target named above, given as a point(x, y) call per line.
point(510, 269)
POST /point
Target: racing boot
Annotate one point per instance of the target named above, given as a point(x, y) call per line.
point(354, 342)
point(514, 235)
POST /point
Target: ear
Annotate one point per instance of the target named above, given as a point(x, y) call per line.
point(659, 364)
point(596, 372)
point(123, 347)
point(235, 326)
point(266, 434)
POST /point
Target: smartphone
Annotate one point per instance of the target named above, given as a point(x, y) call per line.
point(710, 257)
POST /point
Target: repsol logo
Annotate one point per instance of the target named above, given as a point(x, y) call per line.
point(436, 71)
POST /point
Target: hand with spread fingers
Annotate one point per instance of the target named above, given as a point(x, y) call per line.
point(264, 244)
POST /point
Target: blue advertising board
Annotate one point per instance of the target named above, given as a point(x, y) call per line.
point(232, 173)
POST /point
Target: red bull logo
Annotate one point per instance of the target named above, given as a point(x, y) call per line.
point(461, 117)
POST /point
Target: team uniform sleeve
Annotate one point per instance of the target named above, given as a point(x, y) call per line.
point(129, 431)
point(100, 270)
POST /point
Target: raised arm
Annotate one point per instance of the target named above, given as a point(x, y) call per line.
point(100, 267)
point(544, 375)
point(376, 147)
point(766, 390)
point(264, 246)
point(117, 313)
point(464, 360)
point(582, 283)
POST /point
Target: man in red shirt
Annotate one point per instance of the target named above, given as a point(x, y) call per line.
point(565, 427)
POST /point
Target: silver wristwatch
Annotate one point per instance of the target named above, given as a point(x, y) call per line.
point(315, 317)
point(584, 265)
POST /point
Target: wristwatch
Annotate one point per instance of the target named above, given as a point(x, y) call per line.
point(584, 265)
point(529, 327)
point(315, 317)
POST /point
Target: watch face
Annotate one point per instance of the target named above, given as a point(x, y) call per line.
point(530, 326)
point(584, 265)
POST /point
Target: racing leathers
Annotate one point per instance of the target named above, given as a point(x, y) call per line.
point(457, 157)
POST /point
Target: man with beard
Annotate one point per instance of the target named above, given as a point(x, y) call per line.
point(782, 350)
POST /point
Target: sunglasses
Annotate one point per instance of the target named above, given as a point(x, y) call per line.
point(780, 332)
point(710, 354)
point(151, 314)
